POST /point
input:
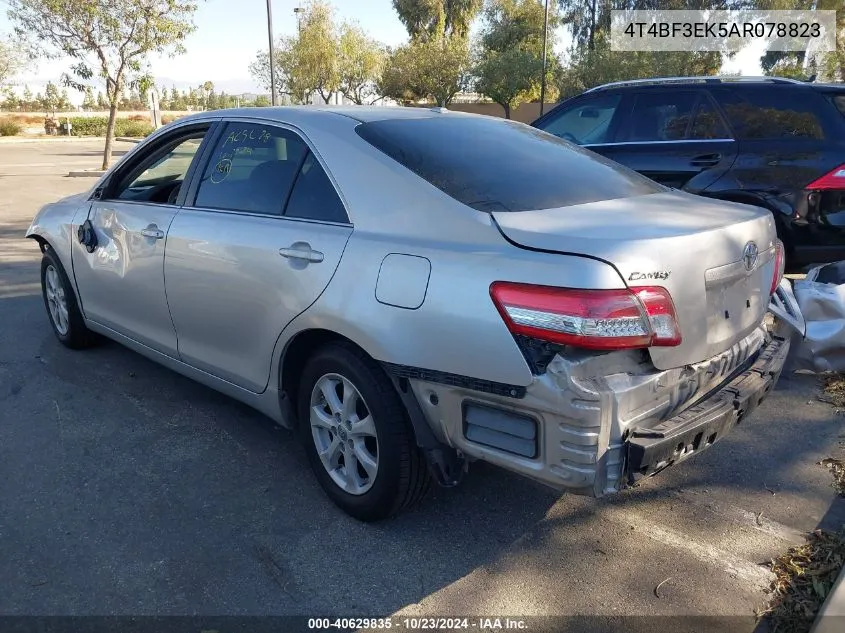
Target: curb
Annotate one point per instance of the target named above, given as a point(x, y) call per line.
point(86, 173)
point(48, 139)
point(831, 617)
point(61, 139)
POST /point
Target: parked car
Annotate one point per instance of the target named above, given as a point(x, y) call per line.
point(414, 289)
point(772, 142)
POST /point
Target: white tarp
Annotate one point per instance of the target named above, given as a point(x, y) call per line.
point(821, 297)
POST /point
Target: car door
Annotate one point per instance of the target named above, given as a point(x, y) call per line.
point(675, 137)
point(257, 242)
point(121, 282)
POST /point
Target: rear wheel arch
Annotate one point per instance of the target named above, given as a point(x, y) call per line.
point(294, 357)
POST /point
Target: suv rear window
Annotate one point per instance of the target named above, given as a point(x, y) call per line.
point(494, 165)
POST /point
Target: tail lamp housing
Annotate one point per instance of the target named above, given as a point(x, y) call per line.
point(593, 319)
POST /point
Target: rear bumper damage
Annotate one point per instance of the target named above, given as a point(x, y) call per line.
point(592, 422)
point(651, 449)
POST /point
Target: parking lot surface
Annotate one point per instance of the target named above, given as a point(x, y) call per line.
point(127, 489)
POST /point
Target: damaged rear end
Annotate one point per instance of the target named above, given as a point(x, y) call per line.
point(631, 371)
point(640, 379)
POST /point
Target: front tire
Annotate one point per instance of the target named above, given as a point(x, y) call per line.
point(355, 430)
point(60, 302)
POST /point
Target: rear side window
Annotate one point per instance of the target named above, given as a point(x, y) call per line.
point(707, 124)
point(660, 116)
point(772, 113)
point(252, 168)
point(494, 165)
point(838, 99)
point(313, 196)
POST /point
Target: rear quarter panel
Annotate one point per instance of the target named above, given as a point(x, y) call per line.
point(457, 328)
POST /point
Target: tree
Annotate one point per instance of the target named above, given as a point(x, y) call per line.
point(307, 62)
point(261, 101)
point(432, 67)
point(10, 99)
point(360, 64)
point(88, 102)
point(27, 99)
point(118, 34)
point(11, 62)
point(51, 101)
point(284, 67)
point(315, 52)
point(207, 89)
point(102, 104)
point(436, 17)
point(510, 67)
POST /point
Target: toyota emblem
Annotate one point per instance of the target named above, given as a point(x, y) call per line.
point(749, 256)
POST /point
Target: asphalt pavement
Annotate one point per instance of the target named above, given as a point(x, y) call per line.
point(127, 489)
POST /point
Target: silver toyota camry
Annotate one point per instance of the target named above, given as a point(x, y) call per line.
point(412, 290)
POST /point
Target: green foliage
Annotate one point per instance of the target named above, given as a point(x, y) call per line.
point(97, 125)
point(12, 61)
point(322, 58)
point(134, 129)
point(9, 127)
point(109, 38)
point(601, 65)
point(510, 65)
point(361, 61)
point(427, 68)
point(437, 17)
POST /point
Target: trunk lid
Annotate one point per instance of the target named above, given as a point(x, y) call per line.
point(698, 249)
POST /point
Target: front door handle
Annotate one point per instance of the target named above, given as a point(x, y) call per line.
point(153, 231)
point(303, 251)
point(706, 160)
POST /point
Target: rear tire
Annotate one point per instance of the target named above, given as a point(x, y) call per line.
point(60, 301)
point(371, 434)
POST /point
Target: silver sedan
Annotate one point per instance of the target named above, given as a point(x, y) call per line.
point(413, 290)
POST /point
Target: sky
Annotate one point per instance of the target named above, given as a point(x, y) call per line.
point(230, 32)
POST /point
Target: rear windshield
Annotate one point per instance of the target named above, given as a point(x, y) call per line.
point(493, 165)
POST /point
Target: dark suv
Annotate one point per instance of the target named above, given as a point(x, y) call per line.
point(771, 142)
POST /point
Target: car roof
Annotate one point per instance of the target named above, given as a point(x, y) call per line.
point(364, 114)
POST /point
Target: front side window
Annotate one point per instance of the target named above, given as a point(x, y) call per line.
point(252, 169)
point(586, 123)
point(660, 116)
point(158, 178)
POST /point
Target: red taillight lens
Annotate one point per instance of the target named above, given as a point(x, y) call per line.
point(595, 319)
point(834, 179)
point(780, 265)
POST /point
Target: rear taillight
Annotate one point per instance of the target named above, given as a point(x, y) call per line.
point(595, 319)
point(780, 265)
point(834, 179)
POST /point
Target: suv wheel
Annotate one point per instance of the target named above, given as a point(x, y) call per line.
point(357, 436)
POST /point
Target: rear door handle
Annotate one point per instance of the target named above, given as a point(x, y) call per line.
point(302, 251)
point(153, 231)
point(706, 160)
